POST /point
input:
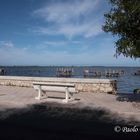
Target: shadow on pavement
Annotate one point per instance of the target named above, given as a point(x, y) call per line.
point(61, 121)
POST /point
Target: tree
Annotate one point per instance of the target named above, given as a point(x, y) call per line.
point(123, 20)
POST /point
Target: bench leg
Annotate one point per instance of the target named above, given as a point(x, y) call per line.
point(39, 93)
point(67, 96)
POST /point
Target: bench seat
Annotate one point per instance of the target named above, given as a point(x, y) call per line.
point(43, 87)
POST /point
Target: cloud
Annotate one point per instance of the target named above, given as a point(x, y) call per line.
point(55, 43)
point(21, 56)
point(6, 44)
point(63, 12)
point(60, 45)
point(71, 18)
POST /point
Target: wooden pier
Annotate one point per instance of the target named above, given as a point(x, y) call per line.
point(107, 73)
point(92, 73)
point(64, 72)
point(113, 73)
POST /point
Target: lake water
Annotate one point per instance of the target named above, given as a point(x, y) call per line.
point(125, 83)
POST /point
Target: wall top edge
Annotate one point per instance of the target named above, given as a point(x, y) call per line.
point(55, 79)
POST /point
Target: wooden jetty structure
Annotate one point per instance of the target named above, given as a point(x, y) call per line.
point(92, 73)
point(2, 71)
point(113, 73)
point(107, 73)
point(64, 72)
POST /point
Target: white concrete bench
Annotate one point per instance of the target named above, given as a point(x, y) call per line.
point(43, 87)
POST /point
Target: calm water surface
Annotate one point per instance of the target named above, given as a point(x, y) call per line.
point(126, 83)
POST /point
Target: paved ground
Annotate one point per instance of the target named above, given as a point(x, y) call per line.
point(18, 97)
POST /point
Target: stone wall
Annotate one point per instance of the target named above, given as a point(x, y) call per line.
point(82, 85)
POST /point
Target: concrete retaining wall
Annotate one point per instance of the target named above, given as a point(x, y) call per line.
point(82, 85)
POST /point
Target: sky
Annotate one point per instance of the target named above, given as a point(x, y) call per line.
point(57, 32)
